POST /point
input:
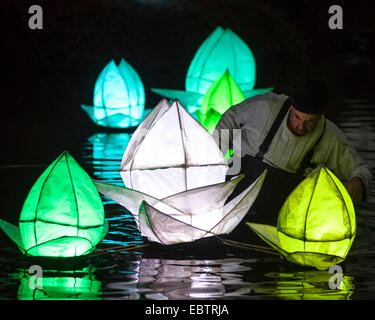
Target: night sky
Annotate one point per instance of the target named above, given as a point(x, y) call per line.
point(49, 73)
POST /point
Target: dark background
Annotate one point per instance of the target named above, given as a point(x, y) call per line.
point(47, 74)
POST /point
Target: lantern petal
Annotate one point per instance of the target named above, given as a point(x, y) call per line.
point(201, 209)
point(192, 100)
point(110, 90)
point(236, 209)
point(164, 228)
point(268, 234)
point(192, 202)
point(13, 233)
point(223, 94)
point(186, 156)
point(141, 131)
point(128, 198)
point(67, 246)
point(223, 49)
point(318, 260)
point(254, 92)
point(134, 87)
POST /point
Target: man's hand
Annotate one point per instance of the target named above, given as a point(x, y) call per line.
point(355, 189)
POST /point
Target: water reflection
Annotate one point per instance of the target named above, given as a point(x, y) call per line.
point(165, 279)
point(103, 153)
point(306, 285)
point(59, 285)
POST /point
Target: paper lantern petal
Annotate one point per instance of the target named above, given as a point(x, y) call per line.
point(222, 50)
point(68, 246)
point(318, 260)
point(186, 98)
point(160, 227)
point(268, 234)
point(128, 198)
point(237, 208)
point(186, 156)
point(198, 212)
point(113, 118)
point(223, 94)
point(192, 202)
point(13, 233)
point(255, 92)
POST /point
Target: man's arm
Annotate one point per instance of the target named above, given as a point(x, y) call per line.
point(345, 162)
point(356, 189)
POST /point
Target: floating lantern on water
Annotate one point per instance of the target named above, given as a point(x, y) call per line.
point(119, 97)
point(223, 94)
point(316, 225)
point(174, 176)
point(222, 50)
point(63, 215)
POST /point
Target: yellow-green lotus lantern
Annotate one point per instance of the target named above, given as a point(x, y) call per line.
point(222, 50)
point(223, 94)
point(316, 225)
point(119, 97)
point(62, 216)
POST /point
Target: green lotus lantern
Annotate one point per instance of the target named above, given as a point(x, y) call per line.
point(316, 225)
point(119, 97)
point(222, 50)
point(223, 94)
point(62, 216)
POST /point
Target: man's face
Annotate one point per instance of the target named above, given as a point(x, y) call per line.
point(303, 123)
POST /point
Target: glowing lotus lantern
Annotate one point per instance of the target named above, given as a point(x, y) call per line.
point(174, 175)
point(119, 97)
point(222, 50)
point(63, 215)
point(223, 94)
point(316, 225)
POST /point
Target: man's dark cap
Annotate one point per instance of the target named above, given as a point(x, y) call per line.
point(310, 96)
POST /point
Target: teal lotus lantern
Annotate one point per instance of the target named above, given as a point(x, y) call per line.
point(119, 97)
point(62, 216)
point(222, 50)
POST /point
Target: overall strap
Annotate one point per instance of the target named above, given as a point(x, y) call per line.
point(306, 161)
point(275, 126)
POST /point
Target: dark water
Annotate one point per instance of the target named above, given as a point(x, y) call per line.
point(186, 272)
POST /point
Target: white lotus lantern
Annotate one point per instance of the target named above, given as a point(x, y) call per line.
point(174, 176)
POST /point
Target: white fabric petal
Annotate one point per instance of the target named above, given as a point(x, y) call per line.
point(171, 152)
